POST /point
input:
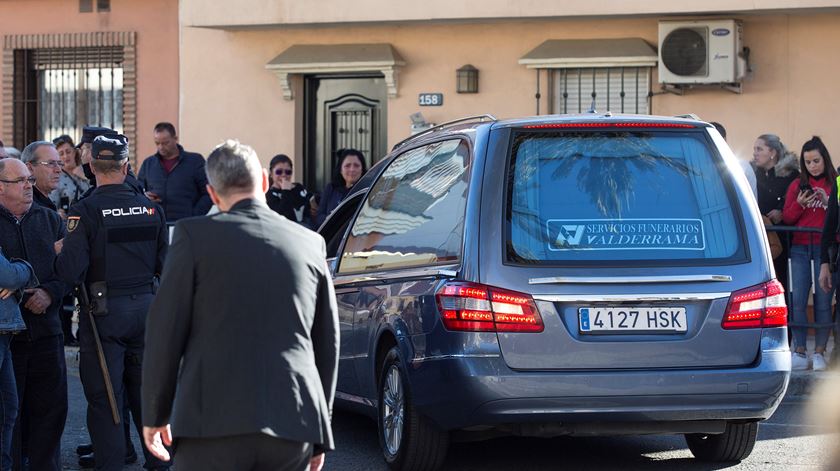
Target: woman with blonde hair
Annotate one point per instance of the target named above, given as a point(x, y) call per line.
point(775, 169)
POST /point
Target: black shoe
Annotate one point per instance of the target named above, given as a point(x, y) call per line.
point(88, 461)
point(85, 449)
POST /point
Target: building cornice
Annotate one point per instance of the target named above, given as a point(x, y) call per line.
point(266, 14)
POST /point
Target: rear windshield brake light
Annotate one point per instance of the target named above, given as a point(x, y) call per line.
point(758, 306)
point(468, 306)
point(610, 125)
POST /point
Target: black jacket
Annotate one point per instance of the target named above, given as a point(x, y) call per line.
point(115, 235)
point(830, 226)
point(32, 239)
point(43, 200)
point(183, 192)
point(292, 204)
point(330, 199)
point(234, 360)
point(772, 184)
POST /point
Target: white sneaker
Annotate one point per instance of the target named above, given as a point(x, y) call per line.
point(819, 361)
point(798, 361)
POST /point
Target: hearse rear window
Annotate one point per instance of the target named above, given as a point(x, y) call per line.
point(618, 196)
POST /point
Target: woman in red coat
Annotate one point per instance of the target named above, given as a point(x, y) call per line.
point(805, 205)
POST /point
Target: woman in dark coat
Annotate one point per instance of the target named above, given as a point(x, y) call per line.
point(351, 166)
point(775, 169)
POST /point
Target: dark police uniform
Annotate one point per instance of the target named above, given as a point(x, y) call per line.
point(115, 245)
point(89, 133)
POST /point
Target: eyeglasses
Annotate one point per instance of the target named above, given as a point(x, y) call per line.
point(30, 180)
point(51, 163)
point(283, 171)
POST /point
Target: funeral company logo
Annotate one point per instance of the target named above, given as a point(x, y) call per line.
point(569, 235)
point(625, 234)
point(135, 211)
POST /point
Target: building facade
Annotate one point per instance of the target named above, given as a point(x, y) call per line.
point(309, 78)
point(71, 63)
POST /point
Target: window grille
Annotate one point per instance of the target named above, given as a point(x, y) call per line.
point(58, 91)
point(616, 89)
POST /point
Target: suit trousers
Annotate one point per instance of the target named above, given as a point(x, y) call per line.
point(121, 332)
point(41, 376)
point(251, 452)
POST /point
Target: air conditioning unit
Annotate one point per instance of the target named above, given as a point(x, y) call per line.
point(701, 52)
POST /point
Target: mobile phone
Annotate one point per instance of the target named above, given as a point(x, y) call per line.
point(806, 187)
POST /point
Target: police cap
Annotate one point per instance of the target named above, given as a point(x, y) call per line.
point(89, 133)
point(110, 147)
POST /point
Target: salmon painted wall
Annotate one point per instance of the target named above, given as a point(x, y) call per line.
point(226, 91)
point(156, 25)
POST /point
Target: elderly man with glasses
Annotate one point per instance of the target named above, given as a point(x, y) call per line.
point(28, 232)
point(43, 161)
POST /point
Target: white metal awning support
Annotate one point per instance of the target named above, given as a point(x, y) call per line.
point(336, 58)
point(588, 53)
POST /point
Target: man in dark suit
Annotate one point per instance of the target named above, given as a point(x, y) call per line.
point(257, 378)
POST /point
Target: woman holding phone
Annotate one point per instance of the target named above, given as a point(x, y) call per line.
point(805, 206)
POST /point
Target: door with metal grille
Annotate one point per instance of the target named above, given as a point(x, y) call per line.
point(342, 113)
point(351, 124)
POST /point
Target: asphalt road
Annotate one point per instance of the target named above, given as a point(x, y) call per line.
point(786, 442)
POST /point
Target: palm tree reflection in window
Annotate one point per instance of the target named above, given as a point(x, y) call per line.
point(609, 168)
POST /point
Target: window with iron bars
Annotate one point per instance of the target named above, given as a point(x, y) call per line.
point(58, 91)
point(616, 89)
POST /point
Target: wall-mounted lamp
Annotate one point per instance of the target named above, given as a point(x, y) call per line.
point(467, 79)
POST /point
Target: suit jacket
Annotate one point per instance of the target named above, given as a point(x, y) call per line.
point(247, 303)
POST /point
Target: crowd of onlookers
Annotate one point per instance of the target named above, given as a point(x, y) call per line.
point(800, 192)
point(38, 188)
point(39, 185)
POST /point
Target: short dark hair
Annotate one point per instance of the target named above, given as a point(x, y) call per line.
point(108, 166)
point(280, 159)
point(165, 126)
point(338, 180)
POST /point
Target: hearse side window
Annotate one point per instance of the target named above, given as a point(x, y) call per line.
point(414, 214)
point(618, 197)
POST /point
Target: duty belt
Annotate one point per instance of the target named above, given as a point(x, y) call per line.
point(147, 288)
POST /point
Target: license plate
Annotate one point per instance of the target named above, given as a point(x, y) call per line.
point(623, 319)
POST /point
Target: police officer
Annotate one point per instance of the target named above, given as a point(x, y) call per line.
point(115, 245)
point(89, 133)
